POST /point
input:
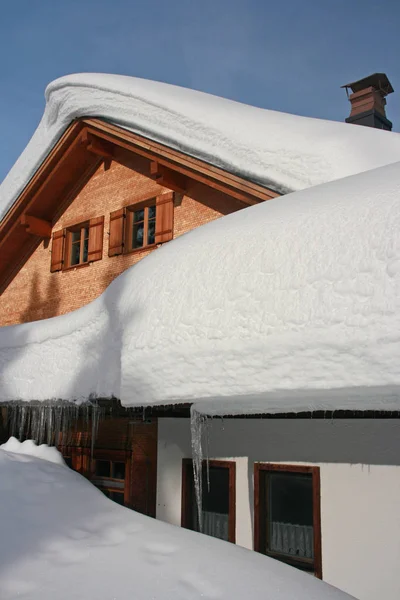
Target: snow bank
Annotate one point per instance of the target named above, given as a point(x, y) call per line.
point(30, 448)
point(290, 305)
point(282, 151)
point(61, 538)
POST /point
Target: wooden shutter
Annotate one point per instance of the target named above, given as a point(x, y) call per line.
point(164, 218)
point(95, 249)
point(57, 251)
point(117, 232)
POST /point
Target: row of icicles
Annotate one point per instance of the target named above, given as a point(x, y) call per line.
point(55, 423)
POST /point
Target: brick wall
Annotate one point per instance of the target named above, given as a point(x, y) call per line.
point(35, 293)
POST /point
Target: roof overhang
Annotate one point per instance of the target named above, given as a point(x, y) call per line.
point(84, 146)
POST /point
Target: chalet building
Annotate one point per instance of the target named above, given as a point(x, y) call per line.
point(104, 198)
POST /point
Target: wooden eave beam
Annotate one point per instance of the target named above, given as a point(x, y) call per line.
point(168, 178)
point(30, 218)
point(36, 226)
point(177, 169)
point(100, 148)
point(237, 187)
point(80, 150)
point(67, 141)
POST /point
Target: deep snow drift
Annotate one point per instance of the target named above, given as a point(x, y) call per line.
point(30, 448)
point(290, 305)
point(282, 151)
point(62, 538)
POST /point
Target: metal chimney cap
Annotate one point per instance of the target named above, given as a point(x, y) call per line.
point(379, 81)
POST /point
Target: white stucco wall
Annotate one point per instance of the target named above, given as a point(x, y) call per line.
point(360, 487)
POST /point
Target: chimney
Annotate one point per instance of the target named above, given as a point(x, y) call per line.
point(368, 101)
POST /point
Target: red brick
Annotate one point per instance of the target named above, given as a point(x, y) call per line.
point(35, 293)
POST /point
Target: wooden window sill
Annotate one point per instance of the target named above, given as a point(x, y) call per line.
point(142, 249)
point(293, 560)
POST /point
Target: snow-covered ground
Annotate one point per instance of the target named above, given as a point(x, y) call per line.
point(62, 538)
point(282, 151)
point(290, 305)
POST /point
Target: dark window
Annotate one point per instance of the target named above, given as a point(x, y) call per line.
point(109, 477)
point(118, 497)
point(141, 227)
point(118, 470)
point(287, 515)
point(68, 461)
point(218, 500)
point(103, 468)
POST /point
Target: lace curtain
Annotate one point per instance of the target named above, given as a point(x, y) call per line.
point(216, 525)
point(295, 540)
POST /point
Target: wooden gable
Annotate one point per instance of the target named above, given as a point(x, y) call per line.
point(84, 147)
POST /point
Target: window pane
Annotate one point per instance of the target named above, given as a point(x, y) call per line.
point(215, 503)
point(76, 236)
point(117, 497)
point(151, 232)
point(118, 470)
point(102, 468)
point(138, 215)
point(86, 233)
point(85, 250)
point(290, 514)
point(152, 212)
point(75, 253)
point(137, 235)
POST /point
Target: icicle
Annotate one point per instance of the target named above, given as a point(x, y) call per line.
point(22, 418)
point(12, 419)
point(57, 425)
point(96, 412)
point(197, 421)
point(54, 422)
point(207, 455)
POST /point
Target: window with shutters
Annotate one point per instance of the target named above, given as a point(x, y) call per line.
point(142, 225)
point(77, 245)
point(287, 514)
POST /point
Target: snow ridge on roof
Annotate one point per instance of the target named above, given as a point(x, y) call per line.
point(290, 305)
point(281, 151)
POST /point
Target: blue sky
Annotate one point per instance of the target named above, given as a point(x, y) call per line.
point(288, 55)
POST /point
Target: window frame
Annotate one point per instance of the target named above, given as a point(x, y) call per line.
point(61, 249)
point(187, 499)
point(69, 243)
point(261, 471)
point(121, 224)
point(112, 456)
point(128, 236)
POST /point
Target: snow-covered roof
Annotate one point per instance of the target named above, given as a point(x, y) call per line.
point(281, 151)
point(62, 538)
point(290, 305)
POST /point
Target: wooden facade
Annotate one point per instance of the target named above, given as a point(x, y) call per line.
point(96, 177)
point(119, 440)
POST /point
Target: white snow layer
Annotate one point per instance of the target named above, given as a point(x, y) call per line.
point(290, 305)
point(30, 448)
point(62, 538)
point(282, 151)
